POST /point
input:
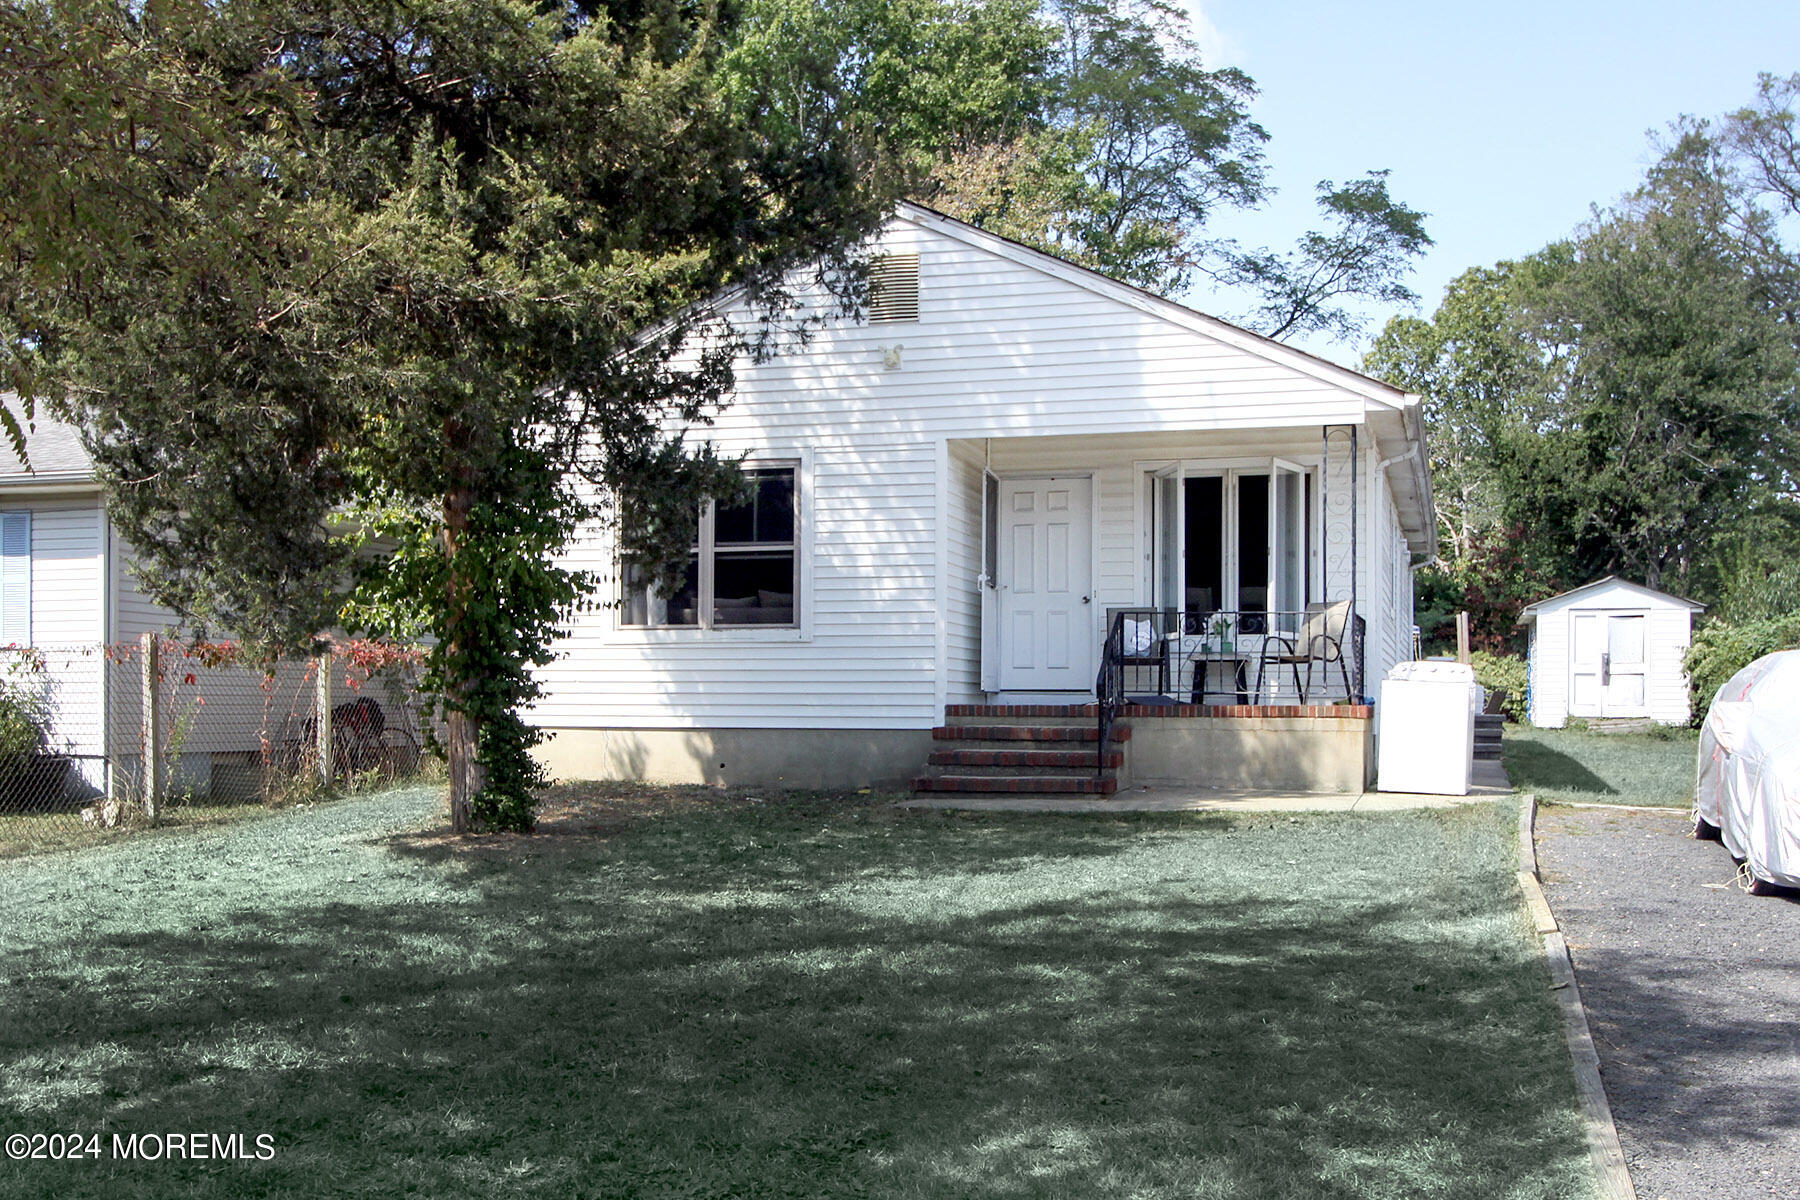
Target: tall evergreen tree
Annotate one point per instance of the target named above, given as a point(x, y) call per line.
point(412, 270)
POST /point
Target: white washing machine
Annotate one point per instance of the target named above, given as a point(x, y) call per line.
point(1427, 728)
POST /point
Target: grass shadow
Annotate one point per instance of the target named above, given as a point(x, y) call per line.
point(863, 1004)
point(1653, 768)
point(1536, 767)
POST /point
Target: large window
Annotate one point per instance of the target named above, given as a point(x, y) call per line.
point(1232, 539)
point(743, 570)
point(15, 579)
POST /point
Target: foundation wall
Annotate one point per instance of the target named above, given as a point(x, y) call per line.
point(796, 758)
point(1304, 754)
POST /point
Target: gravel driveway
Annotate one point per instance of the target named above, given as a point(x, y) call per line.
point(1693, 993)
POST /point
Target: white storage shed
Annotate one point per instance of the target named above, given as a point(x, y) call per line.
point(1609, 649)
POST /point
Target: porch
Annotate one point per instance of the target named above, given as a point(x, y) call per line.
point(1086, 750)
point(1194, 608)
point(1264, 566)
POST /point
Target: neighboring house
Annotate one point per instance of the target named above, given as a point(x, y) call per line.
point(68, 593)
point(62, 591)
point(1609, 649)
point(955, 495)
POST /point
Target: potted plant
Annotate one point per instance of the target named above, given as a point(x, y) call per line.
point(1218, 634)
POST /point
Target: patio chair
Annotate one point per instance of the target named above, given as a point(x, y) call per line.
point(1144, 646)
point(1320, 642)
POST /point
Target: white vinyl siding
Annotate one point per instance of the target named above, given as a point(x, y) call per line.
point(962, 577)
point(1000, 351)
point(1388, 609)
point(65, 582)
point(53, 601)
point(134, 613)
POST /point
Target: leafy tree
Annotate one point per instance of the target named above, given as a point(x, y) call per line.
point(1088, 129)
point(1476, 371)
point(1743, 169)
point(930, 77)
point(1623, 402)
point(1668, 406)
point(1365, 251)
point(1492, 583)
point(411, 271)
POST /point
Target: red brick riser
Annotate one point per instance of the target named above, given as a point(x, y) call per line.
point(1354, 711)
point(1340, 711)
point(1024, 733)
point(1056, 785)
point(1071, 760)
point(1018, 755)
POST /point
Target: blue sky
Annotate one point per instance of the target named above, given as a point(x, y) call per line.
point(1505, 122)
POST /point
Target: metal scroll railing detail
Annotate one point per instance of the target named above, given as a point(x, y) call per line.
point(1109, 686)
point(1170, 656)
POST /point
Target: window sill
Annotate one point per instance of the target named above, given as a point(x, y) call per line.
point(679, 635)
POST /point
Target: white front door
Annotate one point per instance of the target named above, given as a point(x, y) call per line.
point(1047, 629)
point(1607, 667)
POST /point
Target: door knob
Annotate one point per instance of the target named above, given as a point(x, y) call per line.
point(1085, 599)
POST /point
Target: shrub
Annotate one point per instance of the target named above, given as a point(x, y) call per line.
point(1723, 648)
point(1760, 595)
point(1508, 673)
point(24, 712)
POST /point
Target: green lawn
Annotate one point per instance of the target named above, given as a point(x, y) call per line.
point(1576, 766)
point(797, 997)
point(63, 829)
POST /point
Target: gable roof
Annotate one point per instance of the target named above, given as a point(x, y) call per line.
point(54, 448)
point(1394, 416)
point(1180, 314)
point(1530, 611)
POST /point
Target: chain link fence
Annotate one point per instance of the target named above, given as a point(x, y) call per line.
point(102, 738)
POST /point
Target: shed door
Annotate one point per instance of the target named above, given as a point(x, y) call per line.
point(1047, 633)
point(1608, 664)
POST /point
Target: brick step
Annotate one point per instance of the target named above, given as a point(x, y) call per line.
point(1036, 785)
point(1066, 760)
point(1028, 733)
point(1020, 714)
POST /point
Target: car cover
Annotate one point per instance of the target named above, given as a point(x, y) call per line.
point(1747, 779)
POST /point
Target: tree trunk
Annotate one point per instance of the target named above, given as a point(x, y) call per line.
point(465, 772)
point(463, 730)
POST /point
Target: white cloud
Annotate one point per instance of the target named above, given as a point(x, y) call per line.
point(1217, 48)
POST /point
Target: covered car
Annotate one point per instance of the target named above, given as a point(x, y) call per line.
point(1747, 778)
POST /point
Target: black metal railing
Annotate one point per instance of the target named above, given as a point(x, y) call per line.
point(1109, 686)
point(1168, 656)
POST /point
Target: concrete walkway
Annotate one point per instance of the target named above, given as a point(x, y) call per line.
point(1488, 784)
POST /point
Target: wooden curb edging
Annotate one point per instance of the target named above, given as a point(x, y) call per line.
point(1602, 1135)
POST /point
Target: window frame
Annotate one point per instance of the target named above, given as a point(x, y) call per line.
point(16, 571)
point(706, 549)
point(1230, 471)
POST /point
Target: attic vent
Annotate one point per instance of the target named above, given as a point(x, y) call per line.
point(894, 288)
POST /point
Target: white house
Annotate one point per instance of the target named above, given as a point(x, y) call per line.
point(60, 592)
point(1609, 649)
point(955, 496)
point(957, 502)
point(71, 613)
